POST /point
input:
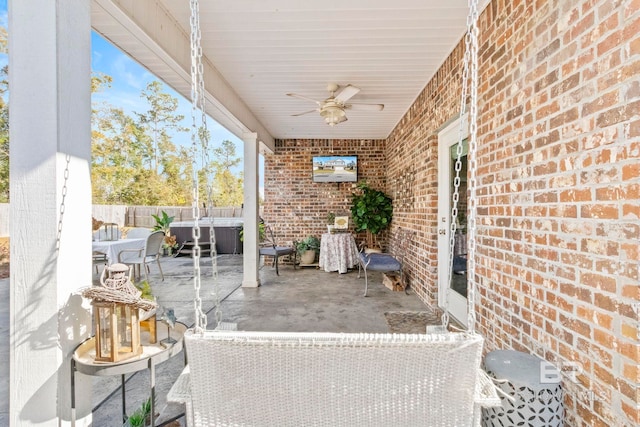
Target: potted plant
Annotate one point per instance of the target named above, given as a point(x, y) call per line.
point(307, 248)
point(331, 219)
point(372, 211)
point(141, 417)
point(163, 223)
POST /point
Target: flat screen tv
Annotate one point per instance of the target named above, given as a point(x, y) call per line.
point(335, 168)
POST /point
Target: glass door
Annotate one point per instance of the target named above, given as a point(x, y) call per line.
point(452, 281)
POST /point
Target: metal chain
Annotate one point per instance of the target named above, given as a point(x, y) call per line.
point(453, 226)
point(469, 82)
point(204, 142)
point(196, 69)
point(472, 28)
point(62, 201)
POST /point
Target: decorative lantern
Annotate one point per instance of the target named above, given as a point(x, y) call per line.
point(111, 231)
point(116, 306)
point(117, 331)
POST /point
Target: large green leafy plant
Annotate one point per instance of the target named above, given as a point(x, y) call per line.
point(371, 211)
point(163, 222)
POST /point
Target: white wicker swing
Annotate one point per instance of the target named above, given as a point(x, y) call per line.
point(300, 379)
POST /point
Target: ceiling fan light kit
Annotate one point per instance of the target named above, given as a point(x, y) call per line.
point(332, 109)
point(333, 114)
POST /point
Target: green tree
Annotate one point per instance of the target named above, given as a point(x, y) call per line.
point(4, 138)
point(159, 120)
point(4, 123)
point(124, 168)
point(118, 142)
point(227, 187)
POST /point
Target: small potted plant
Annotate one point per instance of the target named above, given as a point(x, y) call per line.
point(307, 249)
point(331, 219)
point(163, 223)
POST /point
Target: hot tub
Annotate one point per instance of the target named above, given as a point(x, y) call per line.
point(227, 232)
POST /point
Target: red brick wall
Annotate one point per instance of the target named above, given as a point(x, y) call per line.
point(296, 205)
point(559, 191)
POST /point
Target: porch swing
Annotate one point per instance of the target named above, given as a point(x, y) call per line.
point(293, 379)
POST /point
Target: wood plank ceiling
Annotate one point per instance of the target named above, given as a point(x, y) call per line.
point(266, 49)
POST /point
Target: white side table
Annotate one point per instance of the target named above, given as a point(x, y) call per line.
point(83, 361)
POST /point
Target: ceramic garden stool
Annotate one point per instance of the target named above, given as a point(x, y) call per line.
point(535, 386)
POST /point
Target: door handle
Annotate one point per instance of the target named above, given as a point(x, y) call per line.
point(442, 231)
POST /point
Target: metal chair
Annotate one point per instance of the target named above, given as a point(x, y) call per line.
point(385, 262)
point(99, 258)
point(138, 233)
point(142, 257)
point(268, 247)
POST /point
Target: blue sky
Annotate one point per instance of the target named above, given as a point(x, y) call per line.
point(129, 79)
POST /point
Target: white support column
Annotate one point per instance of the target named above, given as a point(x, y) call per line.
point(250, 255)
point(50, 231)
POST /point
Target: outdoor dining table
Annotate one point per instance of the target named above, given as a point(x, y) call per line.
point(111, 248)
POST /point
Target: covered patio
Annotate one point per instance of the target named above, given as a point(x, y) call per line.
point(558, 178)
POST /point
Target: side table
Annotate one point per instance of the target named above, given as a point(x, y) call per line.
point(83, 361)
point(338, 252)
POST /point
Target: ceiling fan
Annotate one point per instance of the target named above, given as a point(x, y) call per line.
point(332, 109)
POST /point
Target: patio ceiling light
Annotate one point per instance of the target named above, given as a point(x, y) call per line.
point(333, 114)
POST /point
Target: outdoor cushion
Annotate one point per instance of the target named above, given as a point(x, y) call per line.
point(380, 262)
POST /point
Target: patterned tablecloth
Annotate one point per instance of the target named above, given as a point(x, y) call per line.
point(338, 252)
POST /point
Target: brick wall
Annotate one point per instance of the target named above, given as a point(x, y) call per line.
point(297, 206)
point(559, 190)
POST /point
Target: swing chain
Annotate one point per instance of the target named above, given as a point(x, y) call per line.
point(196, 104)
point(472, 29)
point(206, 162)
point(453, 227)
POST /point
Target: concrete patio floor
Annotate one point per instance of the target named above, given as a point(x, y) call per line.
point(303, 300)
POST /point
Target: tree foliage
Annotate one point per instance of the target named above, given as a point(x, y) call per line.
point(4, 124)
point(134, 158)
point(227, 187)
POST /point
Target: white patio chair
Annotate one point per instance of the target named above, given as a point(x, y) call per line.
point(138, 233)
point(142, 257)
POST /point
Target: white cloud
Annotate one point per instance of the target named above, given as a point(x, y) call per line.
point(126, 70)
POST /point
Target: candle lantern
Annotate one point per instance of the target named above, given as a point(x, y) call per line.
point(111, 231)
point(117, 331)
point(116, 304)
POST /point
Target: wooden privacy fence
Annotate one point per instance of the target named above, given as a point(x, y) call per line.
point(136, 216)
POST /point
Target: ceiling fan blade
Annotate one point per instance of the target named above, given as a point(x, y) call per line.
point(306, 112)
point(344, 94)
point(295, 95)
point(365, 107)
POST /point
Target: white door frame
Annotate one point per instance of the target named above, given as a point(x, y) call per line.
point(448, 136)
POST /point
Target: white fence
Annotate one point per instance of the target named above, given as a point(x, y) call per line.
point(135, 216)
point(4, 219)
